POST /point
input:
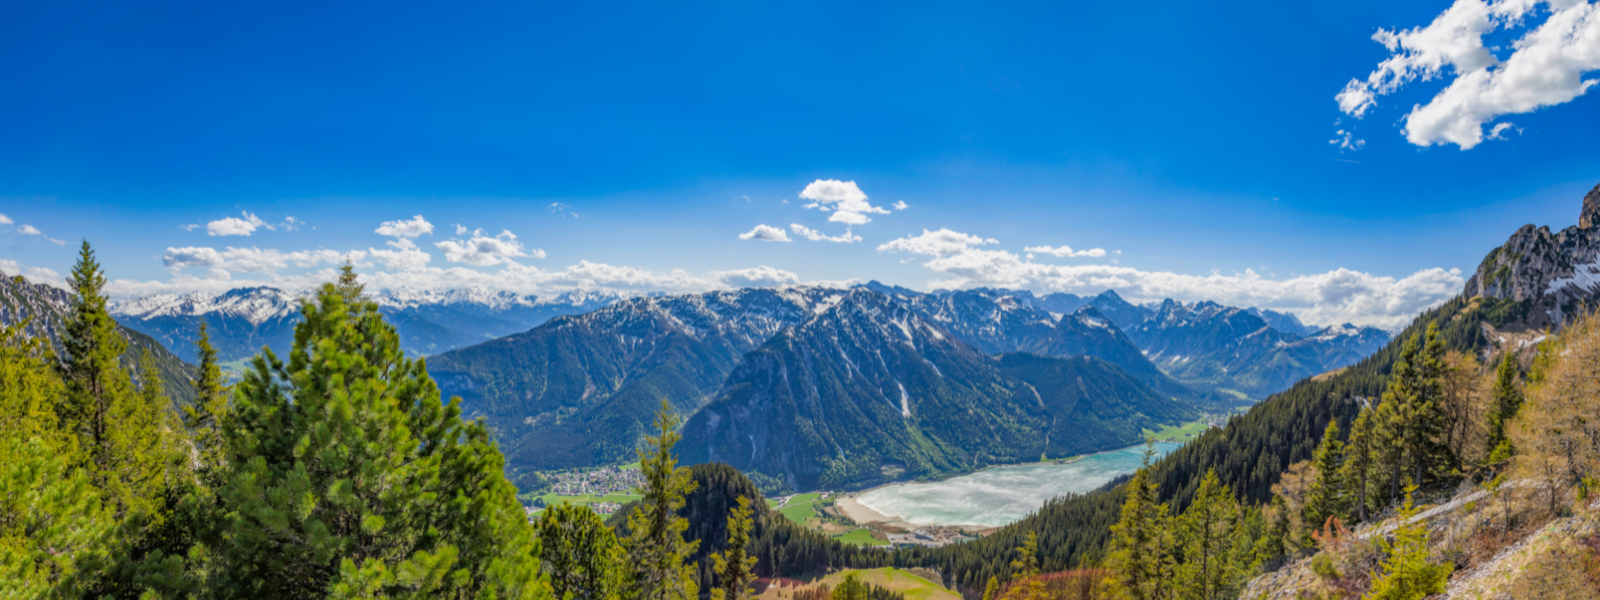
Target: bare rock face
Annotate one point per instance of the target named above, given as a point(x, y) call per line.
point(1591, 209)
point(1557, 274)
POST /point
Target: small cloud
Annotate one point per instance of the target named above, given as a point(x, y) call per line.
point(817, 236)
point(1345, 141)
point(558, 208)
point(744, 198)
point(189, 227)
point(220, 274)
point(31, 230)
point(413, 228)
point(5, 220)
point(943, 242)
point(901, 205)
point(846, 200)
point(762, 276)
point(1498, 133)
point(1067, 251)
point(765, 233)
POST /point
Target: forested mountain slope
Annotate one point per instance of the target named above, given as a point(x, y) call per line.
point(1251, 452)
point(45, 308)
point(865, 387)
point(579, 390)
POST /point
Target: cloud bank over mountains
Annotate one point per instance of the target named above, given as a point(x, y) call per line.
point(1544, 67)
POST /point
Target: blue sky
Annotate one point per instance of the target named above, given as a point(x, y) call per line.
point(1189, 142)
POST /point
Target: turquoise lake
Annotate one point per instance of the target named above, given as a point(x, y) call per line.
point(1000, 495)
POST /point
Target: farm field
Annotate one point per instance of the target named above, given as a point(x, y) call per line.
point(860, 537)
point(913, 586)
point(1180, 433)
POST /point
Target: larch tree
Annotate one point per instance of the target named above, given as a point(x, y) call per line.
point(1140, 557)
point(1556, 432)
point(1025, 567)
point(735, 567)
point(656, 549)
point(348, 477)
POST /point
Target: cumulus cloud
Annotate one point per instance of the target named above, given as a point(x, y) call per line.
point(46, 276)
point(943, 242)
point(9, 267)
point(5, 220)
point(189, 227)
point(1067, 251)
point(847, 202)
point(762, 276)
point(765, 233)
point(234, 225)
point(1338, 296)
point(817, 236)
point(1545, 67)
point(901, 205)
point(481, 250)
point(416, 227)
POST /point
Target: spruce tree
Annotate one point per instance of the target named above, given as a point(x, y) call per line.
point(582, 556)
point(850, 589)
point(210, 405)
point(1507, 400)
point(114, 425)
point(1326, 498)
point(347, 477)
point(1141, 553)
point(656, 548)
point(1360, 464)
point(735, 568)
point(1207, 532)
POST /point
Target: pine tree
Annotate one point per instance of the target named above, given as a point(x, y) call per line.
point(347, 477)
point(735, 568)
point(1406, 573)
point(1326, 499)
point(1141, 554)
point(581, 555)
point(1026, 568)
point(1507, 400)
point(1207, 532)
point(1360, 464)
point(656, 548)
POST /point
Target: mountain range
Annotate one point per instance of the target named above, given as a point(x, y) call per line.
point(44, 308)
point(244, 320)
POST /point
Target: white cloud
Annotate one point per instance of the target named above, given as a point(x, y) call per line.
point(461, 229)
point(765, 233)
point(405, 255)
point(1545, 68)
point(817, 236)
point(1338, 296)
point(1345, 140)
point(901, 205)
point(416, 227)
point(220, 274)
point(558, 208)
point(26, 229)
point(234, 225)
point(9, 267)
point(481, 250)
point(189, 227)
point(846, 200)
point(245, 260)
point(46, 276)
point(1067, 251)
point(5, 220)
point(943, 242)
point(762, 276)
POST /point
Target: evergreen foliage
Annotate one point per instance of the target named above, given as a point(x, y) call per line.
point(583, 557)
point(657, 550)
point(1406, 572)
point(1507, 400)
point(1142, 544)
point(1326, 499)
point(1026, 566)
point(347, 477)
point(735, 568)
point(203, 418)
point(1360, 462)
point(1207, 533)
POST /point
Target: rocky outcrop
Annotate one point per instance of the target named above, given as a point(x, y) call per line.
point(1554, 274)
